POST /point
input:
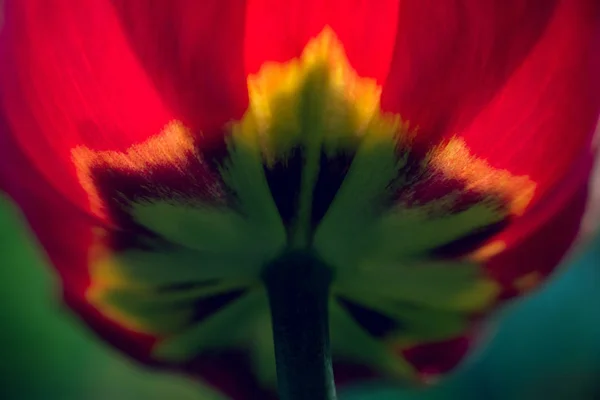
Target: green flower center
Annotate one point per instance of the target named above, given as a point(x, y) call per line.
point(314, 166)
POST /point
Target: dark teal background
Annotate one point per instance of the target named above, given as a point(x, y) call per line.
point(547, 347)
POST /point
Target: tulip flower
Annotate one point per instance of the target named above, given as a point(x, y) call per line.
point(261, 193)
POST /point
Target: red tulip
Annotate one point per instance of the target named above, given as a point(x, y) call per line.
point(429, 159)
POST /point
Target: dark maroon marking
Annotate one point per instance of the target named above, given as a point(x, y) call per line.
point(427, 186)
point(332, 172)
point(216, 155)
point(408, 175)
point(133, 236)
point(157, 183)
point(284, 180)
point(439, 357)
point(375, 323)
point(472, 241)
point(186, 286)
point(206, 306)
point(118, 188)
point(230, 372)
point(347, 372)
point(420, 185)
point(508, 293)
point(215, 152)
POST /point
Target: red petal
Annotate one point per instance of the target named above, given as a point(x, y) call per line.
point(193, 52)
point(231, 373)
point(68, 77)
point(432, 359)
point(451, 57)
point(543, 119)
point(279, 30)
point(538, 242)
point(64, 233)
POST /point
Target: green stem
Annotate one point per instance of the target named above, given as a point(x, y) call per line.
point(298, 288)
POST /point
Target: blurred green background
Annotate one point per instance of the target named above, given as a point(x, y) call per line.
point(546, 347)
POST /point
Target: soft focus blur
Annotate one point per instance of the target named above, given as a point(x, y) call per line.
point(546, 347)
